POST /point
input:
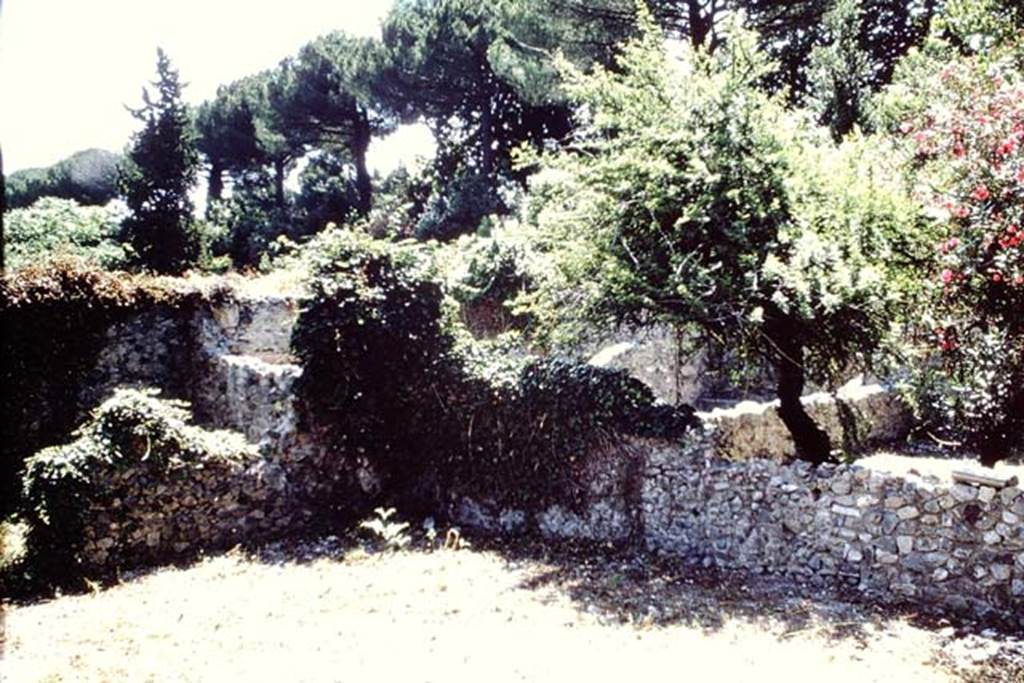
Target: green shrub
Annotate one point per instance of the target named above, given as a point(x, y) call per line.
point(486, 275)
point(52, 228)
point(61, 482)
point(964, 146)
point(529, 441)
point(389, 378)
point(378, 367)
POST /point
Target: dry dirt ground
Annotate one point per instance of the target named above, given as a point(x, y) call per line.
point(328, 610)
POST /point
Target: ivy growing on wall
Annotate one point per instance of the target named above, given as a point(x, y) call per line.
point(384, 382)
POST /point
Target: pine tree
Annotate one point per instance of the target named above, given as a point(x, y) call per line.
point(160, 169)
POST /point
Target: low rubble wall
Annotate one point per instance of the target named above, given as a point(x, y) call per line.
point(720, 500)
point(727, 496)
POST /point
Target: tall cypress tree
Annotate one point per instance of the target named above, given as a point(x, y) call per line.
point(160, 169)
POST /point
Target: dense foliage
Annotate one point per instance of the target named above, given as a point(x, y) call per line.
point(966, 145)
point(61, 482)
point(386, 384)
point(54, 228)
point(483, 78)
point(693, 198)
point(157, 176)
point(737, 186)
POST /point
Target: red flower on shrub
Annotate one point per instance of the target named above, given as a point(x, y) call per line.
point(980, 193)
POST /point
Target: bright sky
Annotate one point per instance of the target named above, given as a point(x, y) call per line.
point(68, 67)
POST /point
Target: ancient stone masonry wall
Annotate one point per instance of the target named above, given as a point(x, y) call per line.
point(951, 548)
point(231, 361)
point(726, 496)
point(859, 416)
point(153, 349)
point(151, 513)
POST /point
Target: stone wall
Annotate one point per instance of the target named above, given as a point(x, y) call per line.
point(150, 512)
point(951, 548)
point(858, 417)
point(231, 361)
point(724, 497)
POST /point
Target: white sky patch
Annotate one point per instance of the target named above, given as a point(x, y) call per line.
point(69, 67)
point(408, 146)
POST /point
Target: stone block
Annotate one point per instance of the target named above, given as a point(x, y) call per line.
point(908, 512)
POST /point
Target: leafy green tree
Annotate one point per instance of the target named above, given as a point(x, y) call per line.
point(322, 101)
point(329, 192)
point(809, 42)
point(978, 26)
point(693, 198)
point(840, 72)
point(482, 88)
point(159, 171)
point(280, 150)
point(88, 177)
point(227, 138)
point(251, 216)
point(398, 202)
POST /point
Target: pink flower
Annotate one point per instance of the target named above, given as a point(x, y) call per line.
point(947, 276)
point(980, 193)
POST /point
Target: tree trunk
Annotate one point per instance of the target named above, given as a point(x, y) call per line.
point(812, 443)
point(700, 24)
point(215, 185)
point(279, 166)
point(359, 145)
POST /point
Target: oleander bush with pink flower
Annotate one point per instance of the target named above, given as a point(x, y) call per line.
point(968, 163)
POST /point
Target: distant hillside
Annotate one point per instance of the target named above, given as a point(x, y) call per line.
point(88, 177)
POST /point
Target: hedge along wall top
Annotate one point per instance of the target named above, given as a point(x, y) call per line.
point(54, 322)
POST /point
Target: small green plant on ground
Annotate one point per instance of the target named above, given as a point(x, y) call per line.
point(392, 534)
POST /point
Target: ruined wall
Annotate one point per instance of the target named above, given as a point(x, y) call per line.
point(724, 497)
point(955, 547)
point(150, 512)
point(231, 361)
point(951, 548)
point(858, 417)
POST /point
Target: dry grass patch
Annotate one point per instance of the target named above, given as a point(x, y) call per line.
point(450, 616)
